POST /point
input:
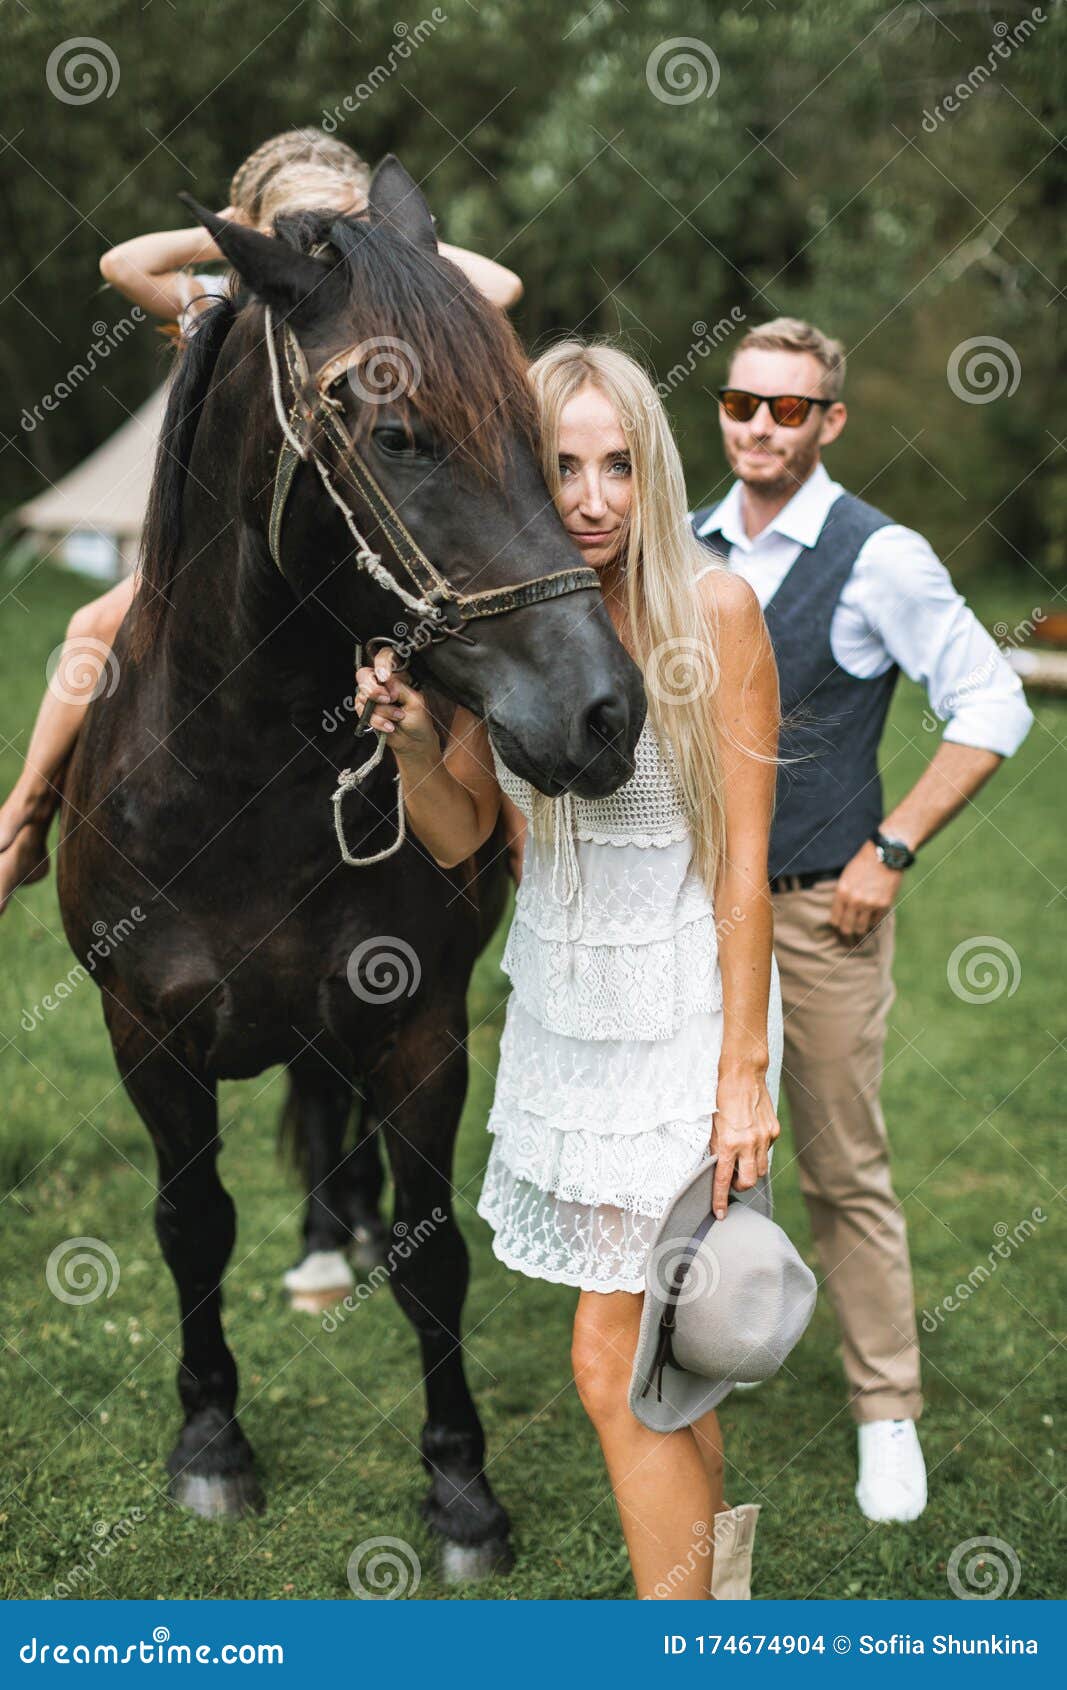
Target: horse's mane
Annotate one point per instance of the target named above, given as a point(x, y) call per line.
point(162, 532)
point(470, 384)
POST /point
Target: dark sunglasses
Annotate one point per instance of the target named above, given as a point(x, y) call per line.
point(787, 409)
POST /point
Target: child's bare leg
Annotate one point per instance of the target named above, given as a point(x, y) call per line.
point(27, 811)
point(660, 1483)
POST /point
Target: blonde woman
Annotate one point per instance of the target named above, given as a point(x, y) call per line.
point(299, 169)
point(644, 1027)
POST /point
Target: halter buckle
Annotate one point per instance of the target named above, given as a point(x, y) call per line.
point(450, 619)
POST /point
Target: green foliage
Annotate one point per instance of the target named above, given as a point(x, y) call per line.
point(812, 180)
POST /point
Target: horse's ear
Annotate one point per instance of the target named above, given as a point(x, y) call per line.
point(276, 273)
point(397, 200)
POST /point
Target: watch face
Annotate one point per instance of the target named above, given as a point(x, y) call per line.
point(894, 854)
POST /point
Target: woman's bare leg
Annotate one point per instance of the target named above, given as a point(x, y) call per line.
point(735, 1528)
point(708, 1434)
point(666, 1504)
point(27, 812)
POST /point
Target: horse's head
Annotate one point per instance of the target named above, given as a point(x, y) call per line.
point(412, 401)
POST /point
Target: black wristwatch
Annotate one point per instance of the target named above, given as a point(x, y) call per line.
point(892, 852)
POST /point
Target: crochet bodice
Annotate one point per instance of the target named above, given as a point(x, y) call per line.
point(646, 810)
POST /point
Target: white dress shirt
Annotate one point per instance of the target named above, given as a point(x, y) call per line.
point(898, 606)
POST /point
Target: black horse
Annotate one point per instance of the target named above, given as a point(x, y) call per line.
point(200, 788)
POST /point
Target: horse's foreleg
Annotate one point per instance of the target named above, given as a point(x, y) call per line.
point(211, 1466)
point(428, 1267)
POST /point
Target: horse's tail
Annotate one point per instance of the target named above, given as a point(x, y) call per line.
point(356, 1183)
point(292, 1140)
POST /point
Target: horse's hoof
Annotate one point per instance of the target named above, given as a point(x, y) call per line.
point(465, 1563)
point(368, 1248)
point(224, 1496)
point(322, 1279)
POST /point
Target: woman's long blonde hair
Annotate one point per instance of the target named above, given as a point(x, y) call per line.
point(673, 628)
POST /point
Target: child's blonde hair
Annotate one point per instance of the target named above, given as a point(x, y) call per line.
point(299, 170)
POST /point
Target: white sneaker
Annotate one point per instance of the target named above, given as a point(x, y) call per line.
point(892, 1481)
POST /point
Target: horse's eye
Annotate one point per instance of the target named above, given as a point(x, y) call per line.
point(395, 442)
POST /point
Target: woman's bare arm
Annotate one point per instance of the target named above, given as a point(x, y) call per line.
point(451, 799)
point(745, 1121)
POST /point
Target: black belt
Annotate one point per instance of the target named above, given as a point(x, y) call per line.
point(800, 882)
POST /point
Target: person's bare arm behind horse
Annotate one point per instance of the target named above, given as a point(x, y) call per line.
point(451, 798)
point(499, 285)
point(27, 811)
point(152, 270)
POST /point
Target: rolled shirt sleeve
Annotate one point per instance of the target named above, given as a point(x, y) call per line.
point(914, 611)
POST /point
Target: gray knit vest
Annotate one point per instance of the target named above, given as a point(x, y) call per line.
point(830, 801)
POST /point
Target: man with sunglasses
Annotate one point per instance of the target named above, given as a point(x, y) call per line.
point(850, 598)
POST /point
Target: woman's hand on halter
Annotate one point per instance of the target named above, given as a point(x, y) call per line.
point(401, 712)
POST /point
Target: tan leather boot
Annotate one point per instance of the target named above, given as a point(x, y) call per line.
point(735, 1535)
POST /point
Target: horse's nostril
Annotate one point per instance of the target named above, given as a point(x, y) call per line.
point(607, 720)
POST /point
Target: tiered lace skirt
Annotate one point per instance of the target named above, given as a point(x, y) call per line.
point(609, 1059)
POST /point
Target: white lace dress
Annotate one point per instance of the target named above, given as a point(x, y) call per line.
point(605, 1089)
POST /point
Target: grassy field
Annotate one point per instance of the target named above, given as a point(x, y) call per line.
point(974, 1092)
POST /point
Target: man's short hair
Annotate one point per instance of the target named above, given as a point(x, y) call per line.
point(791, 334)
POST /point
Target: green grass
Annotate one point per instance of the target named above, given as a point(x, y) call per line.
point(973, 1095)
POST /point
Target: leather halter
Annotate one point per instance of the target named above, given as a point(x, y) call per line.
point(442, 611)
point(426, 591)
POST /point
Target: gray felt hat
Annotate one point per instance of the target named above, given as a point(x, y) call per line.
point(725, 1301)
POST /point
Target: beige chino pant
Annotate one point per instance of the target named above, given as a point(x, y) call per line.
point(835, 1002)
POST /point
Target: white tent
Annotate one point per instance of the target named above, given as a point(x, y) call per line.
point(92, 518)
